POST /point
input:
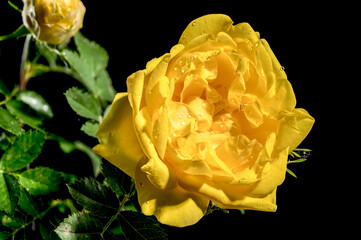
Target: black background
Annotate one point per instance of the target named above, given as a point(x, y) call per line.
point(308, 39)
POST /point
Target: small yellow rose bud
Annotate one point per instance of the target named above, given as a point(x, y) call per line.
point(53, 21)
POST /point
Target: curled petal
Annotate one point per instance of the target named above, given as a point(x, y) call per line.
point(174, 206)
point(294, 127)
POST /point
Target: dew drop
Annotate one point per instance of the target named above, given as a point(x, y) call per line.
point(282, 68)
point(194, 23)
point(183, 123)
point(189, 116)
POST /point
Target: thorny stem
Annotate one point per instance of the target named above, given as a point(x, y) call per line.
point(24, 57)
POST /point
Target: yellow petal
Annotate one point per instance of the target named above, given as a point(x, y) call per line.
point(229, 195)
point(243, 31)
point(274, 177)
point(265, 203)
point(294, 127)
point(188, 157)
point(135, 83)
point(118, 141)
point(174, 207)
point(208, 24)
point(157, 171)
point(157, 96)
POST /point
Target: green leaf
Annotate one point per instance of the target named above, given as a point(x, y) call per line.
point(118, 181)
point(5, 202)
point(23, 151)
point(20, 32)
point(15, 222)
point(300, 160)
point(9, 123)
point(40, 180)
point(5, 232)
point(138, 226)
point(95, 197)
point(4, 89)
point(36, 102)
point(92, 53)
point(14, 6)
point(4, 141)
point(27, 203)
point(81, 67)
point(291, 173)
point(90, 128)
point(79, 227)
point(90, 63)
point(21, 111)
point(104, 86)
point(49, 53)
point(83, 103)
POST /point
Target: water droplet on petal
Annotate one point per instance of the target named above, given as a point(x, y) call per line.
point(282, 68)
point(194, 23)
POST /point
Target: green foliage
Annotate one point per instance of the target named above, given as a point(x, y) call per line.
point(9, 123)
point(21, 111)
point(90, 64)
point(40, 180)
point(298, 155)
point(137, 226)
point(23, 151)
point(95, 197)
point(108, 214)
point(83, 103)
point(20, 32)
point(90, 128)
point(78, 227)
point(35, 102)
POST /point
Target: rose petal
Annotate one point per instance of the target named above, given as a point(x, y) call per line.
point(118, 141)
point(275, 176)
point(135, 84)
point(229, 196)
point(158, 173)
point(174, 207)
point(208, 24)
point(294, 127)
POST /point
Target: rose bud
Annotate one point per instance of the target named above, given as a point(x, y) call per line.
point(53, 21)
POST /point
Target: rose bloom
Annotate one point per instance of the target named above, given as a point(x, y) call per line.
point(213, 120)
point(53, 21)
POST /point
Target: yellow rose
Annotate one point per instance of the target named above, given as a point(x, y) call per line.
point(213, 120)
point(53, 21)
